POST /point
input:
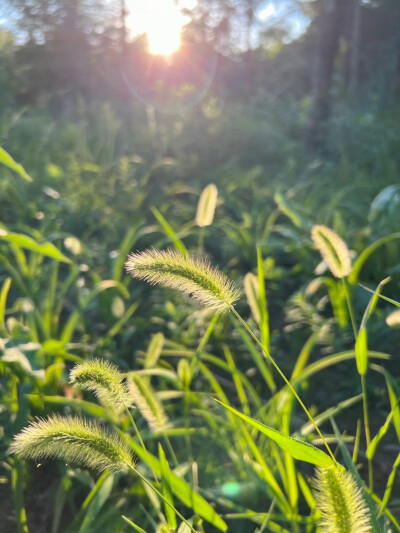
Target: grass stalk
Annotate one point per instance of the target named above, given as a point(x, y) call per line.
point(285, 379)
point(367, 431)
point(149, 484)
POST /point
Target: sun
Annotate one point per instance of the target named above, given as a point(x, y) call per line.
point(160, 20)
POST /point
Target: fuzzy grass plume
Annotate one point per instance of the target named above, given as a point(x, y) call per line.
point(252, 291)
point(73, 440)
point(104, 380)
point(206, 206)
point(145, 400)
point(333, 250)
point(195, 277)
point(342, 507)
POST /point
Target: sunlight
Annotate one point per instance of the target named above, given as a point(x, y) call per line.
point(161, 20)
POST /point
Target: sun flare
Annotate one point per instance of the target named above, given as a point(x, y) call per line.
point(161, 21)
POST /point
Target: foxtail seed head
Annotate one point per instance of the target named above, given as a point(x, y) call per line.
point(104, 380)
point(73, 440)
point(333, 250)
point(340, 502)
point(146, 401)
point(252, 291)
point(195, 277)
point(206, 206)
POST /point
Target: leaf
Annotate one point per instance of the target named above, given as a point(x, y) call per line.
point(359, 263)
point(102, 491)
point(182, 490)
point(379, 436)
point(297, 448)
point(373, 302)
point(46, 248)
point(166, 486)
point(3, 300)
point(169, 232)
point(9, 162)
point(134, 526)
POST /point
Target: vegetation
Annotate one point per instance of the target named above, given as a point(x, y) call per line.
point(252, 179)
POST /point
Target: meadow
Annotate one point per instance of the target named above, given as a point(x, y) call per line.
point(253, 384)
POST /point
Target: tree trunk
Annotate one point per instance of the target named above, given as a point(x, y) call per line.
point(354, 47)
point(328, 24)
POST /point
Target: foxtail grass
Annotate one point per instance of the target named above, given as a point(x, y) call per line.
point(340, 502)
point(195, 277)
point(333, 250)
point(73, 440)
point(252, 292)
point(105, 381)
point(206, 206)
point(145, 399)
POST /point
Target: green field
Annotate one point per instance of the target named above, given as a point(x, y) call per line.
point(199, 270)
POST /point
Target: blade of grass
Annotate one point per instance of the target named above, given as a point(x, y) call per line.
point(169, 232)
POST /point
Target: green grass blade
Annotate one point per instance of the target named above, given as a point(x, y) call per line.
point(116, 328)
point(263, 304)
point(298, 449)
point(166, 489)
point(134, 526)
point(389, 485)
point(127, 244)
point(308, 428)
point(359, 263)
point(73, 320)
point(169, 232)
point(9, 162)
point(3, 301)
point(258, 359)
point(236, 380)
point(381, 432)
point(393, 302)
point(17, 488)
point(181, 489)
point(373, 302)
point(24, 241)
point(95, 501)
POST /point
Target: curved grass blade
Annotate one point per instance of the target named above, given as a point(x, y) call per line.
point(359, 263)
point(181, 489)
point(298, 449)
point(166, 489)
point(24, 241)
point(168, 230)
point(9, 162)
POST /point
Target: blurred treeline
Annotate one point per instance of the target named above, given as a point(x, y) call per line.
point(306, 98)
point(332, 90)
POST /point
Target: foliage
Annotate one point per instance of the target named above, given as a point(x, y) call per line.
point(119, 160)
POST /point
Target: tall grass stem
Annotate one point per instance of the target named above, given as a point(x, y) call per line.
point(285, 379)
